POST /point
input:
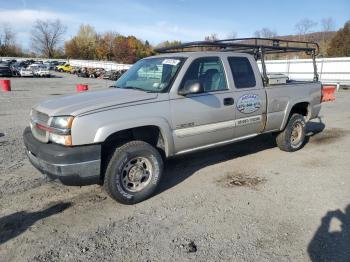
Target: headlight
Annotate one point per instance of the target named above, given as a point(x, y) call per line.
point(62, 122)
point(60, 139)
point(60, 130)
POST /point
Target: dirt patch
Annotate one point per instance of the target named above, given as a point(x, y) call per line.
point(329, 136)
point(238, 179)
point(55, 94)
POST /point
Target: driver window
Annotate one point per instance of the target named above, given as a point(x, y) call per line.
point(209, 72)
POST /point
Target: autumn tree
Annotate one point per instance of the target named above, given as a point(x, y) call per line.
point(47, 36)
point(129, 49)
point(84, 44)
point(340, 43)
point(104, 48)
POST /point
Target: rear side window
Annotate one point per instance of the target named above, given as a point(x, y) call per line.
point(242, 72)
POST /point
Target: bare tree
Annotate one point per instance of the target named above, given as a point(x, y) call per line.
point(212, 37)
point(46, 36)
point(304, 27)
point(265, 33)
point(8, 45)
point(7, 36)
point(327, 24)
point(232, 35)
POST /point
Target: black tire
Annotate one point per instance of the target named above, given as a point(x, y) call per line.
point(119, 161)
point(285, 139)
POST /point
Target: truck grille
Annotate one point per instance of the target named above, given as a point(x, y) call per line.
point(43, 119)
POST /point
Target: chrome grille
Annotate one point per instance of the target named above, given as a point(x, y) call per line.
point(43, 119)
point(39, 116)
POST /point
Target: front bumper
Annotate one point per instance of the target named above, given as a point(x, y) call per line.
point(79, 165)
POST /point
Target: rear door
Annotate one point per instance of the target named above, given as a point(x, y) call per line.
point(206, 118)
point(249, 95)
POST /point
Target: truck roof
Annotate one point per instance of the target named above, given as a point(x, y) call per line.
point(198, 54)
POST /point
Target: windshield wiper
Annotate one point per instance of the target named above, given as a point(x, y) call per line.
point(136, 88)
point(132, 87)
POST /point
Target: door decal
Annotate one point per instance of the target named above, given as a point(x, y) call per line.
point(248, 103)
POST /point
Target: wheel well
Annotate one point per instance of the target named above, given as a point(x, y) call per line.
point(300, 108)
point(150, 134)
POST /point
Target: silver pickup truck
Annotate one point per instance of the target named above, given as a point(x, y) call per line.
point(166, 105)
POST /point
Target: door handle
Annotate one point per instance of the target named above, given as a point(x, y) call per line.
point(228, 101)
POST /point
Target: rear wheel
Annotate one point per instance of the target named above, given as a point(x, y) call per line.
point(292, 138)
point(133, 172)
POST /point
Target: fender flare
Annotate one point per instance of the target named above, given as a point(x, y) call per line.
point(289, 109)
point(105, 131)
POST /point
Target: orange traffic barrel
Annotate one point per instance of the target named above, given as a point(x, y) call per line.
point(328, 93)
point(6, 85)
point(81, 88)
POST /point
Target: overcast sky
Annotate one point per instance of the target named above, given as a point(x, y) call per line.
point(160, 20)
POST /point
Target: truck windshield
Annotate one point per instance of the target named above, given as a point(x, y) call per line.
point(151, 74)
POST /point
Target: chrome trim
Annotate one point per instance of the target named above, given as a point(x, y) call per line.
point(216, 144)
point(197, 130)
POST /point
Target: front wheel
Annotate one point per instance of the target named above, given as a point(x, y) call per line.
point(292, 138)
point(133, 172)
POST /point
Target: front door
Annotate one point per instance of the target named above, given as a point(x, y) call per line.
point(206, 118)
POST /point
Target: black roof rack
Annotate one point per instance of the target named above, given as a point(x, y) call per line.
point(247, 45)
point(258, 47)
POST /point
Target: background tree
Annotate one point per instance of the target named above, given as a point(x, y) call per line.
point(304, 27)
point(232, 35)
point(104, 49)
point(8, 45)
point(340, 43)
point(211, 37)
point(169, 43)
point(129, 49)
point(47, 36)
point(327, 26)
point(84, 44)
point(265, 33)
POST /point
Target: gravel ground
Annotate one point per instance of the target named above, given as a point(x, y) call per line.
point(243, 202)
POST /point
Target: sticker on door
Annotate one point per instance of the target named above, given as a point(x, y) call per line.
point(248, 103)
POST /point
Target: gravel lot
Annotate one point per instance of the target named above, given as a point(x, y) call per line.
point(243, 202)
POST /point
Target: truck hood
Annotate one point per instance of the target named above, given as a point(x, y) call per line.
point(92, 100)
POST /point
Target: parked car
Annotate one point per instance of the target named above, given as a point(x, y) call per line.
point(84, 72)
point(59, 64)
point(5, 70)
point(15, 69)
point(96, 72)
point(75, 70)
point(41, 71)
point(113, 74)
point(26, 72)
point(168, 105)
point(50, 65)
point(64, 68)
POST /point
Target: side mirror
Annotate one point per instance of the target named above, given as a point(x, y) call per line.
point(191, 87)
